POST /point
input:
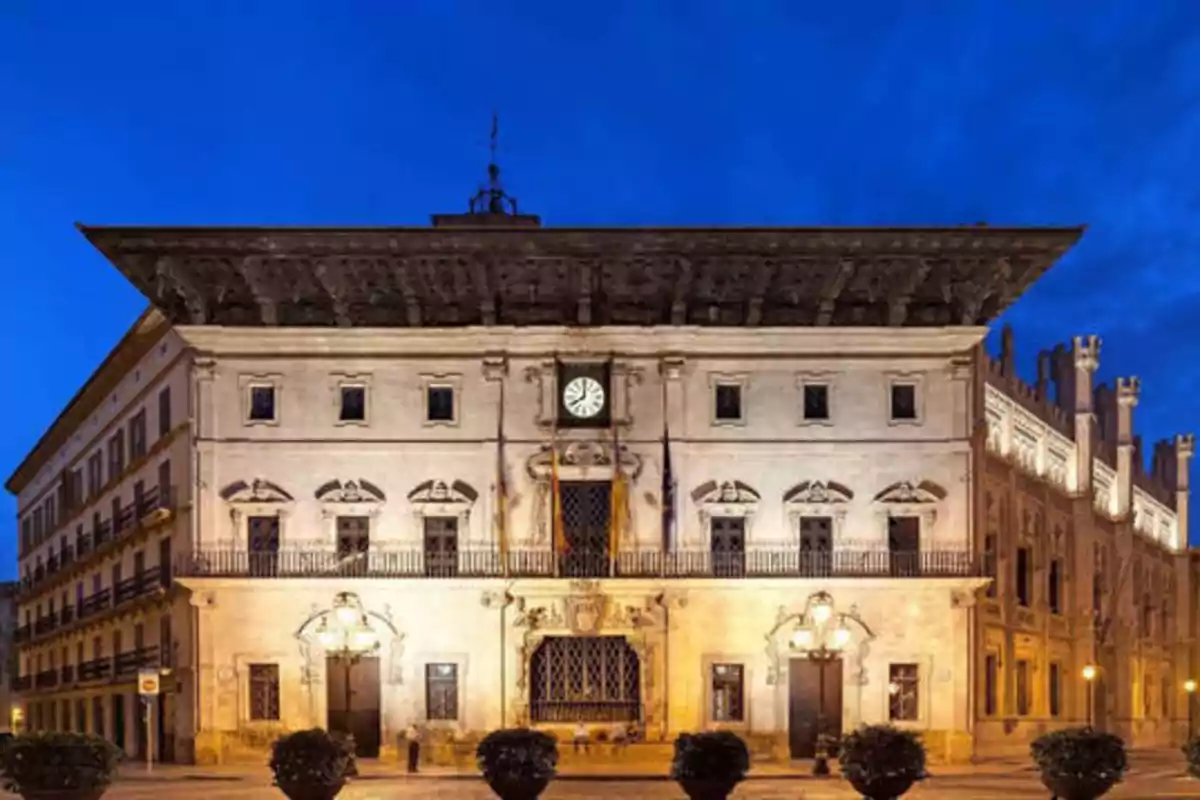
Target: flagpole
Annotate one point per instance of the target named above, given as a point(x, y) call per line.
point(668, 496)
point(501, 486)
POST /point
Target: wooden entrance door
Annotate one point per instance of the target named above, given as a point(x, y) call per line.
point(806, 716)
point(353, 701)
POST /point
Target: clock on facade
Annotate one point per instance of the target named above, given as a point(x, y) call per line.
point(583, 397)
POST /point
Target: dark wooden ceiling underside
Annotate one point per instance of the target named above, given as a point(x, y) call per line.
point(410, 277)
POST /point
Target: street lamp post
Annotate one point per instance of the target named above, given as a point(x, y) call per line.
point(1189, 686)
point(821, 635)
point(345, 633)
point(1089, 675)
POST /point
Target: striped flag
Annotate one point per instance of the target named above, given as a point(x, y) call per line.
point(668, 492)
point(561, 545)
point(619, 503)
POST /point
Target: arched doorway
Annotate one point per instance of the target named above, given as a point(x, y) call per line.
point(584, 678)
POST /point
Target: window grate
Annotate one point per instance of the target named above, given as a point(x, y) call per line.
point(589, 679)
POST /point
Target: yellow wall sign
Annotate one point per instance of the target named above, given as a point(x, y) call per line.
point(148, 682)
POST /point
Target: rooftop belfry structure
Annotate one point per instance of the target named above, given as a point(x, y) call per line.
point(489, 472)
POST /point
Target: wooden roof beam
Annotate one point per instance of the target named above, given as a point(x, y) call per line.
point(170, 281)
point(398, 267)
point(337, 296)
point(902, 295)
point(583, 306)
point(758, 290)
point(684, 278)
point(261, 290)
point(842, 272)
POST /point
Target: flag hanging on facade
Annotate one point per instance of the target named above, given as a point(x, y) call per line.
point(501, 486)
point(619, 510)
point(556, 516)
point(668, 491)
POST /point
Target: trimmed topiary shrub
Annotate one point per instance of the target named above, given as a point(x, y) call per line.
point(68, 766)
point(882, 762)
point(1079, 763)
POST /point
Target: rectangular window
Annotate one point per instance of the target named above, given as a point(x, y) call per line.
point(116, 455)
point(137, 435)
point(727, 402)
point(26, 535)
point(1054, 587)
point(727, 545)
point(95, 473)
point(991, 674)
point(728, 693)
point(816, 401)
point(164, 484)
point(262, 403)
point(1022, 688)
point(816, 546)
point(441, 546)
point(164, 411)
point(439, 403)
point(264, 692)
point(1055, 690)
point(904, 401)
point(1165, 697)
point(441, 691)
point(353, 407)
point(1023, 566)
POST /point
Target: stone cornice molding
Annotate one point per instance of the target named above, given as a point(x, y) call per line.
point(547, 342)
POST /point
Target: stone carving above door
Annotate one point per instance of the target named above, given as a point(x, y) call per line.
point(583, 460)
point(725, 499)
point(440, 498)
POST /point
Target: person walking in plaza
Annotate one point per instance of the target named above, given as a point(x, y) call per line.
point(581, 738)
point(620, 736)
point(413, 737)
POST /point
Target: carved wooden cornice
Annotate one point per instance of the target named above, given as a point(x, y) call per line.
point(439, 277)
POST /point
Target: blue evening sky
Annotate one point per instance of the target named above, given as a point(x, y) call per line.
point(618, 113)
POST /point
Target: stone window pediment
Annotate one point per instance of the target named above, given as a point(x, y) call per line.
point(817, 499)
point(725, 499)
point(257, 492)
point(439, 498)
point(911, 499)
point(351, 498)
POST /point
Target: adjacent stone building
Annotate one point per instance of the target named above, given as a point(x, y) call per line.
point(557, 475)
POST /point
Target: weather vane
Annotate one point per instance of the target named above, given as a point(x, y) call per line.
point(491, 198)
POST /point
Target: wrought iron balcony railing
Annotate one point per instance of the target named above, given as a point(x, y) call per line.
point(128, 663)
point(221, 563)
point(95, 669)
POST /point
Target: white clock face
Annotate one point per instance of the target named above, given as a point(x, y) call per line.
point(583, 397)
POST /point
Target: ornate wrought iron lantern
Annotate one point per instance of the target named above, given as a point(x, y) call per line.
point(345, 631)
point(822, 634)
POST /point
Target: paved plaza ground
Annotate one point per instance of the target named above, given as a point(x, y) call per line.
point(1153, 775)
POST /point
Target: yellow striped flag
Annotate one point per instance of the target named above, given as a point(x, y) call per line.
point(561, 545)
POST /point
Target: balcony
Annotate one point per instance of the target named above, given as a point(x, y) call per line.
point(22, 633)
point(46, 679)
point(96, 669)
point(94, 603)
point(22, 683)
point(45, 625)
point(127, 664)
point(216, 563)
point(67, 675)
point(143, 583)
point(154, 506)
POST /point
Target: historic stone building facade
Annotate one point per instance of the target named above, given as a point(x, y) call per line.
point(437, 424)
point(1089, 556)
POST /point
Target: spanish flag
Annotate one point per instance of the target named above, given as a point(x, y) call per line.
point(619, 502)
point(556, 516)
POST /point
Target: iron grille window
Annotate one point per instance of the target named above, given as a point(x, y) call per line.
point(264, 692)
point(439, 403)
point(262, 404)
point(441, 546)
point(903, 692)
point(354, 404)
point(1055, 690)
point(728, 693)
point(441, 692)
point(727, 402)
point(586, 512)
point(164, 411)
point(588, 679)
point(816, 401)
point(1022, 687)
point(904, 401)
point(263, 541)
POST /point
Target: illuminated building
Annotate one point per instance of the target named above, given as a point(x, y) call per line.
point(732, 421)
